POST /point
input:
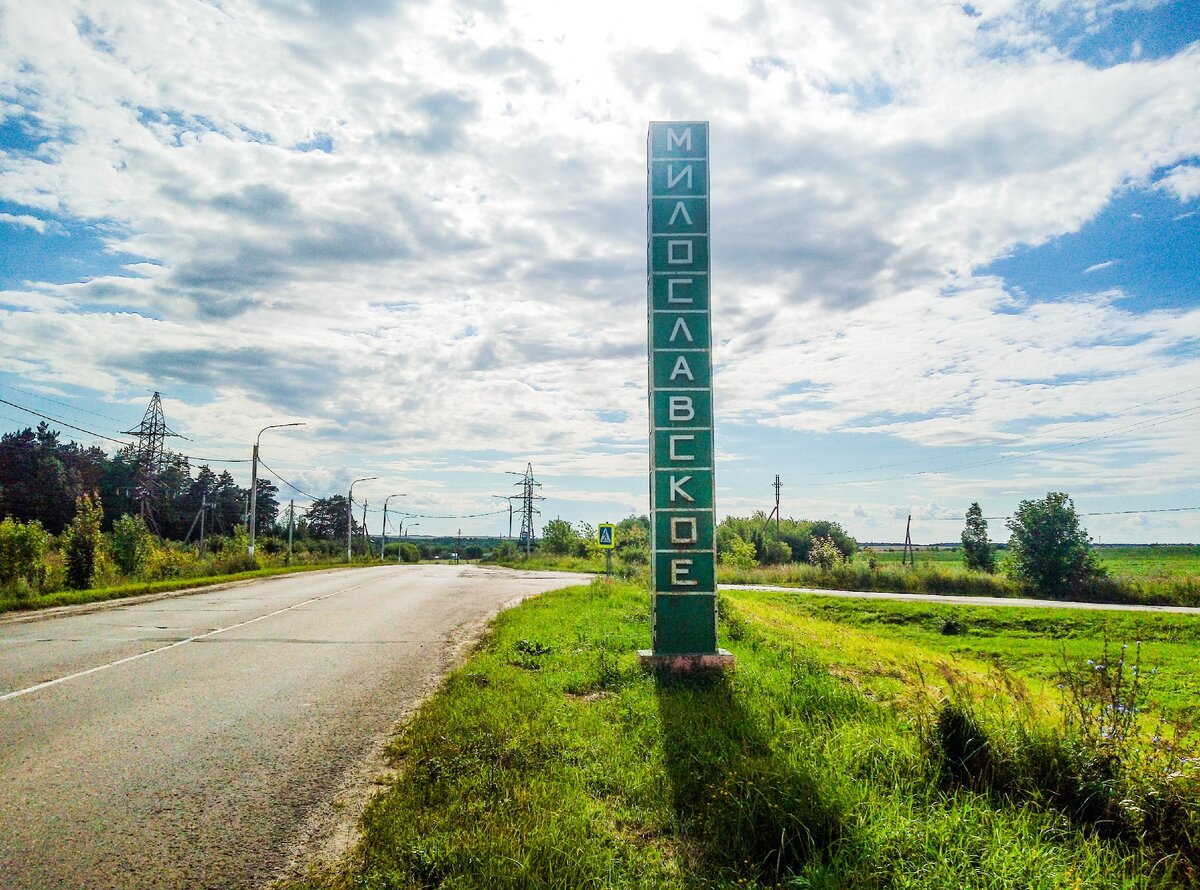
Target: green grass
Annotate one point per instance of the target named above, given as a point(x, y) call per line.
point(9, 603)
point(1147, 575)
point(1031, 642)
point(1156, 563)
point(552, 760)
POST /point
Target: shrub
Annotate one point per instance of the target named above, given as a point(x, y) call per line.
point(22, 552)
point(741, 553)
point(559, 537)
point(131, 544)
point(825, 554)
point(80, 542)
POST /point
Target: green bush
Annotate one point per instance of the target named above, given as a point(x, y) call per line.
point(740, 553)
point(131, 544)
point(825, 553)
point(81, 540)
point(22, 553)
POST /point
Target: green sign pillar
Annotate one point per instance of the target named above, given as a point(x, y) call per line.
point(682, 489)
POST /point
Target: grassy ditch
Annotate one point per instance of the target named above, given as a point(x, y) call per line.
point(837, 755)
point(30, 602)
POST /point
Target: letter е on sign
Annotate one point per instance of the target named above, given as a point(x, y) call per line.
point(682, 488)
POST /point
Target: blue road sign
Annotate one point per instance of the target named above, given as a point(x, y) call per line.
point(606, 533)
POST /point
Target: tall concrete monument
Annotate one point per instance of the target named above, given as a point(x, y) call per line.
point(682, 488)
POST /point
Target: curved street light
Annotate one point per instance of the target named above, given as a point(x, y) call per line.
point(254, 479)
point(350, 516)
point(399, 556)
point(509, 499)
point(383, 538)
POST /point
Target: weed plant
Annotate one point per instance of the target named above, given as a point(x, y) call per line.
point(551, 759)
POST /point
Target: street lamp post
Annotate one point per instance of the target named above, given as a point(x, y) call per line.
point(350, 516)
point(509, 499)
point(254, 479)
point(383, 541)
point(410, 525)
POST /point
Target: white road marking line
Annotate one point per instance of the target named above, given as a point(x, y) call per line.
point(129, 658)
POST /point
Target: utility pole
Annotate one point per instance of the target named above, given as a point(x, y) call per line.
point(909, 553)
point(528, 511)
point(775, 512)
point(383, 539)
point(350, 516)
point(291, 523)
point(458, 548)
point(151, 455)
point(366, 537)
point(203, 510)
point(254, 480)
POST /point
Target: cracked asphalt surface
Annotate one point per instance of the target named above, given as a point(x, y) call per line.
point(188, 741)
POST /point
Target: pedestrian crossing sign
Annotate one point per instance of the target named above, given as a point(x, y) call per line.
point(607, 535)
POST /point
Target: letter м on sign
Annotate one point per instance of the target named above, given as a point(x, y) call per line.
point(679, 337)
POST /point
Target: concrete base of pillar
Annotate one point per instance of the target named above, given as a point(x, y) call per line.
point(721, 660)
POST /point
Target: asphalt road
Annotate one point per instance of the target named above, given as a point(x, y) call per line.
point(187, 742)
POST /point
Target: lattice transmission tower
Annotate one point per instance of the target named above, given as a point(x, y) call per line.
point(151, 455)
point(528, 511)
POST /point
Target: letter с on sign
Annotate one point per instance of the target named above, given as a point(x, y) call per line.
point(682, 488)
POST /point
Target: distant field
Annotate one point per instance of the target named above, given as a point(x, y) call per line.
point(1144, 564)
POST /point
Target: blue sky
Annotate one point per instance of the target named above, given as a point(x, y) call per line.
point(954, 248)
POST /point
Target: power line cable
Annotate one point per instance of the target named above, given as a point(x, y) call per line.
point(68, 425)
point(56, 402)
point(263, 464)
point(459, 516)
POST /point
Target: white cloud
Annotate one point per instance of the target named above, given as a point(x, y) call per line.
point(1183, 182)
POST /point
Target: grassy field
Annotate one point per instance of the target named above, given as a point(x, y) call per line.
point(1150, 564)
point(832, 756)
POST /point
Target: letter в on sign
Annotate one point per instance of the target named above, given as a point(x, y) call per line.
point(676, 409)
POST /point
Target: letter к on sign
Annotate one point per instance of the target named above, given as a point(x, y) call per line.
point(682, 503)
